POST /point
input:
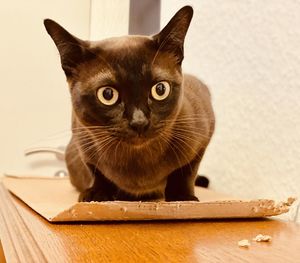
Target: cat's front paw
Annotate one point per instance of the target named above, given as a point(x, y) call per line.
point(181, 198)
point(93, 194)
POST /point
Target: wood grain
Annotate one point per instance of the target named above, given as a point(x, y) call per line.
point(189, 241)
point(18, 241)
point(2, 257)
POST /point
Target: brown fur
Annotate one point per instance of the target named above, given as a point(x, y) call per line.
point(107, 159)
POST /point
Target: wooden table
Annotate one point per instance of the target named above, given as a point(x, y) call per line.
point(27, 237)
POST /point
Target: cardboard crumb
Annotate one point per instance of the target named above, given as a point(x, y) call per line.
point(285, 204)
point(244, 243)
point(291, 200)
point(262, 238)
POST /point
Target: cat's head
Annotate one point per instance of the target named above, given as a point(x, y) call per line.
point(131, 85)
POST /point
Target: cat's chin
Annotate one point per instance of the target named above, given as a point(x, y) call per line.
point(138, 141)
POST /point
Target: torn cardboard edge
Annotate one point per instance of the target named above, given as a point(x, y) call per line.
point(56, 201)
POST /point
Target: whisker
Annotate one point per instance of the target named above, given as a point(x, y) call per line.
point(110, 143)
point(174, 150)
point(188, 133)
point(89, 146)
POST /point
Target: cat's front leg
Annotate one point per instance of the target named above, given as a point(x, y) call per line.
point(181, 182)
point(102, 189)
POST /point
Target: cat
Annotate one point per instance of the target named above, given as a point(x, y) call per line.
point(140, 126)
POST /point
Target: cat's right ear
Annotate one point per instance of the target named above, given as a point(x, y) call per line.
point(71, 48)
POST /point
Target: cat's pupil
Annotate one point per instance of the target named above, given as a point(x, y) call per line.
point(108, 94)
point(160, 89)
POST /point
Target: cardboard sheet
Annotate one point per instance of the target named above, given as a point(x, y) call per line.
point(56, 200)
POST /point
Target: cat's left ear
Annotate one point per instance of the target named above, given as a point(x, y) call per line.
point(171, 37)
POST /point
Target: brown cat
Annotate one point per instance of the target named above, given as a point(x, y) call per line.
point(140, 127)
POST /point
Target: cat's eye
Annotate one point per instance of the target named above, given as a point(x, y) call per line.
point(108, 95)
point(160, 90)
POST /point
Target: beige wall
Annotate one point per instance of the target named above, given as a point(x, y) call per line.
point(248, 52)
point(34, 100)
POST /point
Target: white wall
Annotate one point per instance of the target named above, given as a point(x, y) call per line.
point(34, 101)
point(248, 52)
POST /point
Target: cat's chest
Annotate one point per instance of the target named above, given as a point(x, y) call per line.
point(138, 172)
point(136, 179)
point(138, 166)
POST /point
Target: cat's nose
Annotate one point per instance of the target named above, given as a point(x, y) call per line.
point(139, 121)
